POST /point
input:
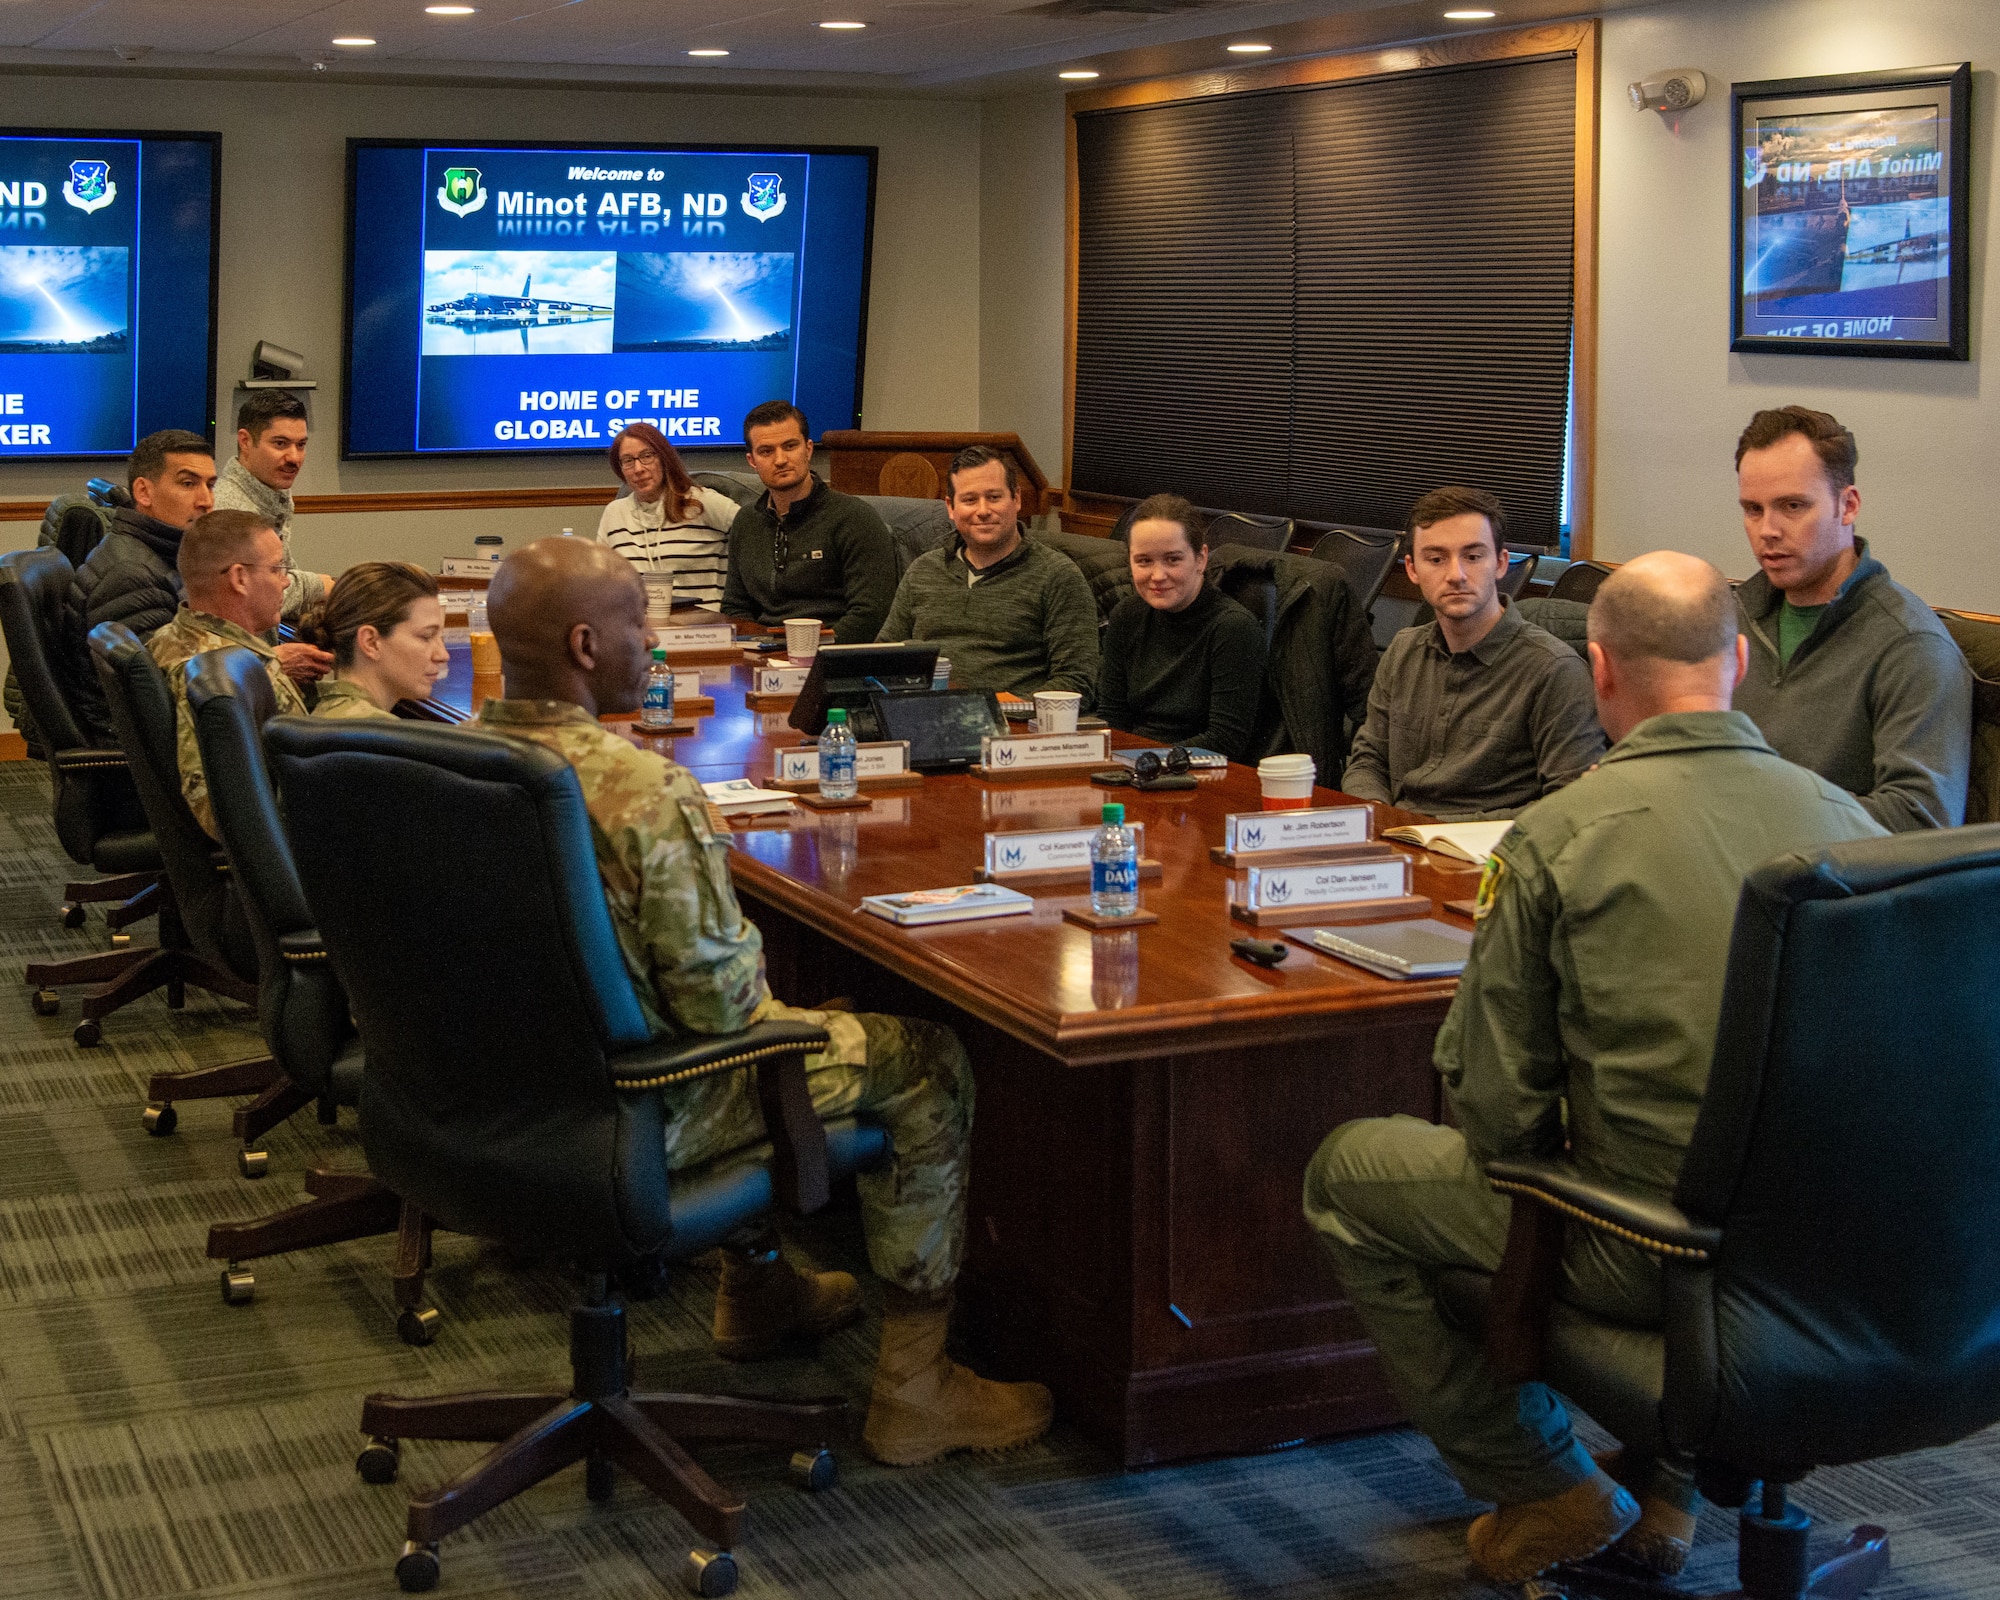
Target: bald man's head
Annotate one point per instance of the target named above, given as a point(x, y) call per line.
point(569, 616)
point(1663, 638)
point(1664, 606)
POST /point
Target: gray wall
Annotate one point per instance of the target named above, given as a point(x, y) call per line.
point(1672, 398)
point(284, 148)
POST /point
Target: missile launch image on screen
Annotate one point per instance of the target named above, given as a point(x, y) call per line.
point(703, 300)
point(64, 299)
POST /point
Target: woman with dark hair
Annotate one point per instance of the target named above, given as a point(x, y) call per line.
point(383, 624)
point(667, 523)
point(1181, 661)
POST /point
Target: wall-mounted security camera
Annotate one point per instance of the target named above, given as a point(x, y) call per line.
point(272, 366)
point(1673, 90)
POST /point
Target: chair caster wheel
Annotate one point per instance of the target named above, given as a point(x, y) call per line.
point(239, 1288)
point(418, 1327)
point(253, 1163)
point(709, 1573)
point(380, 1460)
point(72, 914)
point(158, 1120)
point(814, 1470)
point(87, 1034)
point(597, 1477)
point(417, 1568)
point(46, 1002)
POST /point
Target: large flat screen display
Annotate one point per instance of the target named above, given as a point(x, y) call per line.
point(107, 289)
point(506, 298)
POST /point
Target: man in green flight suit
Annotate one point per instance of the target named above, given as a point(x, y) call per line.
point(233, 571)
point(570, 617)
point(1587, 1013)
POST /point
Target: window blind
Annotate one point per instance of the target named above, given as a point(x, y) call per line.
point(1324, 302)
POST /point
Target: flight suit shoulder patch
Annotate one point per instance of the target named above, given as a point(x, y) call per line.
point(1491, 877)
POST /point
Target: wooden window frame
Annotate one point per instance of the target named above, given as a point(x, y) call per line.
point(1582, 39)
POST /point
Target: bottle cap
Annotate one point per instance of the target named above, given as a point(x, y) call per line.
point(837, 714)
point(1114, 812)
point(660, 653)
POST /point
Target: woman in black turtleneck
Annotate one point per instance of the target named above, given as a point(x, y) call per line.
point(1181, 662)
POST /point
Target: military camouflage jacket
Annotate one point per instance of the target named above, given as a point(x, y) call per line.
point(697, 965)
point(172, 647)
point(345, 702)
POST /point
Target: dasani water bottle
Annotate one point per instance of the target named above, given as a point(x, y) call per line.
point(656, 710)
point(837, 780)
point(1114, 867)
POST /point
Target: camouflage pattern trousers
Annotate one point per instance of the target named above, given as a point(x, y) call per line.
point(914, 1079)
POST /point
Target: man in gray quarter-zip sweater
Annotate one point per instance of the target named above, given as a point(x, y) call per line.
point(1009, 614)
point(1850, 674)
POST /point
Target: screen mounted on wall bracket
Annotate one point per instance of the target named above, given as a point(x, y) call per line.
point(510, 298)
point(107, 288)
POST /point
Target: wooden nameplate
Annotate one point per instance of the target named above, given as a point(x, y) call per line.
point(770, 702)
point(1407, 905)
point(1360, 850)
point(886, 780)
point(1023, 774)
point(813, 800)
point(1084, 917)
point(1465, 908)
point(1047, 877)
point(728, 656)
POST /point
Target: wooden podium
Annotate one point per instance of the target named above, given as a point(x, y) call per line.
point(913, 464)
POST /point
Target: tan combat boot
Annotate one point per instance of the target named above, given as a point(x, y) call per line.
point(924, 1405)
point(764, 1300)
point(1514, 1543)
point(1663, 1537)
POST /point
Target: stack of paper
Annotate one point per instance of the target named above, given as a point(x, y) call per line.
point(948, 905)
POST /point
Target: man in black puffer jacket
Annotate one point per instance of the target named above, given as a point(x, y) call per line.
point(130, 576)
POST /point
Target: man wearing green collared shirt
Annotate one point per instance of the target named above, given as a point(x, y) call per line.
point(1586, 1016)
point(233, 573)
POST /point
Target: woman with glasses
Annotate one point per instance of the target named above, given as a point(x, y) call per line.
point(667, 524)
point(1181, 662)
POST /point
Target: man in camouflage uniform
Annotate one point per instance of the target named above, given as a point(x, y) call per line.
point(570, 617)
point(233, 574)
point(1586, 1016)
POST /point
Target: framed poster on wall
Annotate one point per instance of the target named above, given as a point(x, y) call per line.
point(1851, 205)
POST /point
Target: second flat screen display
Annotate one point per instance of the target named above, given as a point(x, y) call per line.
point(506, 299)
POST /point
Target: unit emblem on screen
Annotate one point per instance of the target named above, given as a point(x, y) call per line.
point(765, 197)
point(462, 193)
point(89, 186)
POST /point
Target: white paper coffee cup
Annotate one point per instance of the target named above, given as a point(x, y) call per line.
point(659, 595)
point(802, 638)
point(1287, 778)
point(1056, 710)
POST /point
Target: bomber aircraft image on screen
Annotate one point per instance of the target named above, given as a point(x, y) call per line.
point(468, 309)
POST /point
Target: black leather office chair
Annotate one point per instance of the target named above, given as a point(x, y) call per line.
point(1580, 580)
point(1521, 566)
point(513, 1091)
point(1832, 1282)
point(301, 1006)
point(222, 957)
point(97, 814)
point(1260, 533)
point(1364, 557)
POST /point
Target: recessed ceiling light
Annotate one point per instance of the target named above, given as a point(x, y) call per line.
point(1470, 16)
point(1077, 74)
point(843, 26)
point(1248, 49)
point(353, 42)
point(708, 52)
point(449, 11)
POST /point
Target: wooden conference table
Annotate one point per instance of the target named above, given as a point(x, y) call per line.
point(1147, 1101)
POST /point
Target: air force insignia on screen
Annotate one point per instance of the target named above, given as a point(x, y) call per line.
point(89, 187)
point(765, 197)
point(462, 193)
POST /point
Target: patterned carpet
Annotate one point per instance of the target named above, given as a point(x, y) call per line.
point(154, 1442)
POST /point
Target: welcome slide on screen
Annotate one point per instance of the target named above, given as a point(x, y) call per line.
point(513, 299)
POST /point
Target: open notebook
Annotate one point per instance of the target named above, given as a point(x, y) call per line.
point(1469, 841)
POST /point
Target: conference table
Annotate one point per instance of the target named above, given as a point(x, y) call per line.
point(1147, 1101)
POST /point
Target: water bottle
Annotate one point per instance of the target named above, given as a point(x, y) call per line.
point(836, 759)
point(1114, 867)
point(656, 711)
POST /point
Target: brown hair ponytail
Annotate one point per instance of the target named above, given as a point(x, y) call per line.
point(375, 594)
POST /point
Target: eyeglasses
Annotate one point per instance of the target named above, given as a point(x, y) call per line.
point(634, 460)
point(1150, 763)
point(277, 569)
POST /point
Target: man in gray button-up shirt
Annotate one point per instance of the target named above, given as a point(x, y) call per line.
point(1477, 713)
